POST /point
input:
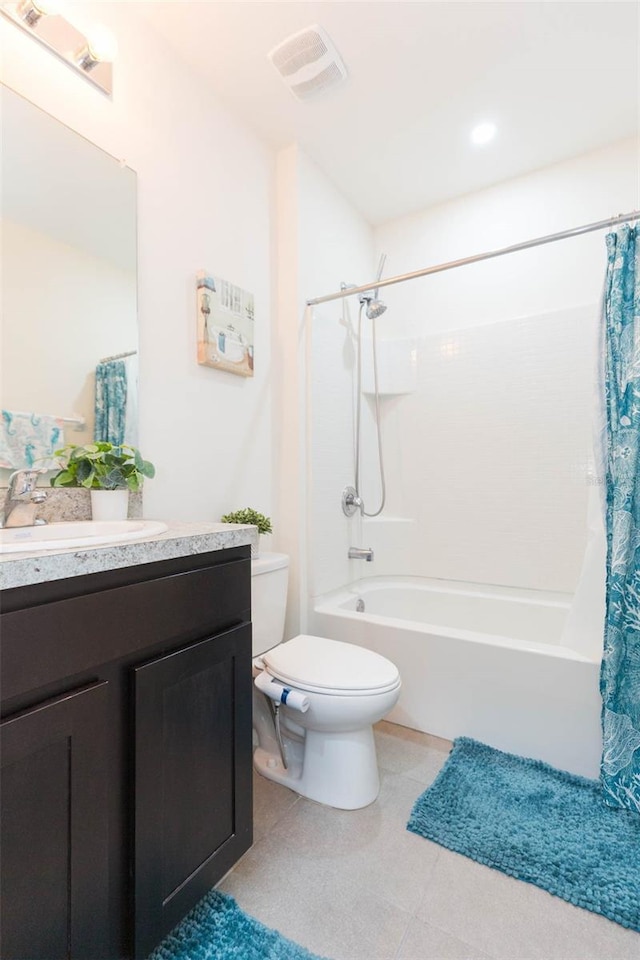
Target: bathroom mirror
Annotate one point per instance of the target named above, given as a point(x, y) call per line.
point(68, 229)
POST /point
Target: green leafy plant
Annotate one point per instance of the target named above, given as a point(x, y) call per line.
point(249, 516)
point(101, 466)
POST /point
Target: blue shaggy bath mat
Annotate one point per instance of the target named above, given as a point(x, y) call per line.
point(537, 824)
point(217, 929)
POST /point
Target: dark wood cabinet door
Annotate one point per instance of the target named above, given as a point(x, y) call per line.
point(193, 792)
point(53, 866)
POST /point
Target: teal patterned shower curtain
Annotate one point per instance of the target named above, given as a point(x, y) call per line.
point(620, 676)
point(111, 402)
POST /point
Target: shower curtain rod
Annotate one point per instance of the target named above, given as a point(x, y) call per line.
point(538, 242)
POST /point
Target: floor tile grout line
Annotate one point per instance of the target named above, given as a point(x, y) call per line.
point(257, 841)
point(403, 937)
point(437, 926)
point(455, 936)
point(278, 820)
point(428, 884)
point(472, 946)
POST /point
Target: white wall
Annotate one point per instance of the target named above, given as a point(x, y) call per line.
point(205, 201)
point(322, 241)
point(289, 390)
point(591, 187)
point(489, 457)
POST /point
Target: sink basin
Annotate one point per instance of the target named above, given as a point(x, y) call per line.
point(77, 533)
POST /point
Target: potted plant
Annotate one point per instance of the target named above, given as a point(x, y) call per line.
point(107, 470)
point(255, 519)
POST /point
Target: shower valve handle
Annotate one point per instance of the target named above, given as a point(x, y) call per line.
point(351, 502)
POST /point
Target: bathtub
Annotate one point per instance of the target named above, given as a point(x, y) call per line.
point(477, 661)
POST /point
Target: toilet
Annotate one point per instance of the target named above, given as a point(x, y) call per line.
point(315, 701)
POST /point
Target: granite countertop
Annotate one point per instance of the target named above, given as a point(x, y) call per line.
point(180, 540)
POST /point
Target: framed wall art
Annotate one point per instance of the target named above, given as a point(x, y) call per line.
point(225, 325)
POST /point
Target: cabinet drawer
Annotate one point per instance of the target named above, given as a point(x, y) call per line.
point(43, 644)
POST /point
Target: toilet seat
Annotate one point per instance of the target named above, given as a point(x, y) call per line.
point(320, 665)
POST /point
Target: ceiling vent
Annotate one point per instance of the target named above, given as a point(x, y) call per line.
point(308, 62)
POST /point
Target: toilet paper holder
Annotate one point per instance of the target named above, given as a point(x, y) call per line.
point(281, 694)
point(277, 694)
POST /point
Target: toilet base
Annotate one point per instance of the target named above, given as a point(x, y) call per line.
point(337, 769)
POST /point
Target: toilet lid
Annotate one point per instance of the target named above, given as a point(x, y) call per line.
point(321, 664)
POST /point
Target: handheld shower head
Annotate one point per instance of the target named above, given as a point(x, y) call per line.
point(375, 308)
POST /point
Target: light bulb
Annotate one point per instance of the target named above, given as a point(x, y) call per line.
point(31, 11)
point(483, 133)
point(102, 43)
point(48, 8)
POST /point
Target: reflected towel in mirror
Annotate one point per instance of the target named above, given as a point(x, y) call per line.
point(29, 439)
point(111, 402)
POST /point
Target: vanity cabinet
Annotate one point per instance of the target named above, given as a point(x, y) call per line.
point(186, 829)
point(54, 828)
point(126, 753)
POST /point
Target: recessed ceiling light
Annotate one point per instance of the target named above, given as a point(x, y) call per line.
point(483, 133)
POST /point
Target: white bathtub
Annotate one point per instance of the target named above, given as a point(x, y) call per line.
point(476, 661)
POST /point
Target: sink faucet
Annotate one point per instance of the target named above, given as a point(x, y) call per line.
point(22, 500)
point(360, 553)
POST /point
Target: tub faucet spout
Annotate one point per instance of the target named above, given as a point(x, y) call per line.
point(361, 553)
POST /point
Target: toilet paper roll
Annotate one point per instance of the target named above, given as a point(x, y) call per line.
point(281, 694)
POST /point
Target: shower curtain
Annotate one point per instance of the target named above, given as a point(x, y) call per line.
point(620, 676)
point(131, 409)
point(111, 402)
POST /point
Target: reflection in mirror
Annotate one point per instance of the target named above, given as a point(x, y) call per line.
point(68, 290)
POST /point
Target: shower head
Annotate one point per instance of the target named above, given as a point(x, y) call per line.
point(375, 308)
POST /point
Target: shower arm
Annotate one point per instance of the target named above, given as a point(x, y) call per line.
point(381, 263)
point(348, 288)
point(367, 296)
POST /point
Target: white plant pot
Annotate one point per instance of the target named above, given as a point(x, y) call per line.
point(109, 504)
point(262, 545)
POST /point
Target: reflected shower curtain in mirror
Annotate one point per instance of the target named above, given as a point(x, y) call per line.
point(620, 676)
point(111, 402)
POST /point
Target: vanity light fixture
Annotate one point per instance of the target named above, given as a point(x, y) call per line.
point(91, 52)
point(101, 47)
point(32, 10)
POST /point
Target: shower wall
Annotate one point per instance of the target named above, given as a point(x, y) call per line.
point(489, 457)
point(488, 370)
point(339, 249)
point(488, 451)
point(322, 241)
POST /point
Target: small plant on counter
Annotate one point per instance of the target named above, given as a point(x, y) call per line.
point(249, 516)
point(102, 466)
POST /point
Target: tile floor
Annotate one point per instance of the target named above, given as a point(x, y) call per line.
point(356, 885)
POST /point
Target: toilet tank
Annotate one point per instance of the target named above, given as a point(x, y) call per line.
point(269, 581)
